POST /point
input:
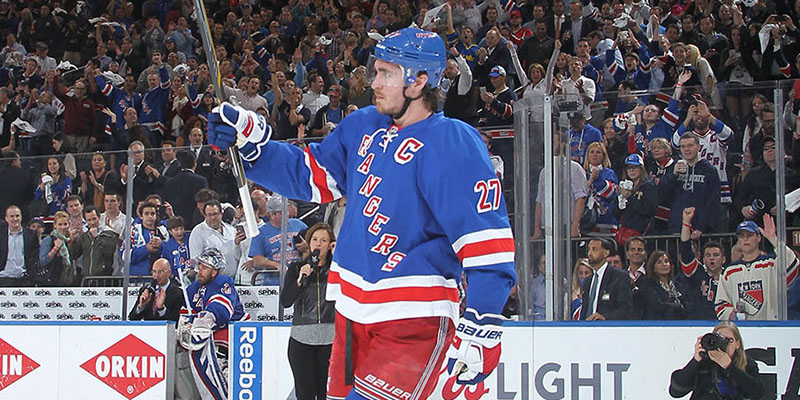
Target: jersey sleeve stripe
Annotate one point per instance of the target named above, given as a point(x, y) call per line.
point(426, 294)
point(688, 269)
point(791, 272)
point(486, 247)
point(720, 308)
point(489, 259)
point(608, 188)
point(670, 117)
point(732, 271)
point(481, 236)
point(471, 314)
point(223, 301)
point(786, 71)
point(106, 89)
point(323, 186)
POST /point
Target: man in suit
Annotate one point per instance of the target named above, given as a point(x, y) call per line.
point(556, 21)
point(202, 154)
point(145, 175)
point(161, 299)
point(18, 184)
point(182, 188)
point(607, 294)
point(495, 53)
point(575, 27)
point(170, 165)
point(19, 250)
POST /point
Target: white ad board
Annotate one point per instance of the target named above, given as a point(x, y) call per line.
point(550, 361)
point(96, 360)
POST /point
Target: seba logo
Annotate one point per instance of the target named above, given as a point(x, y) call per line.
point(129, 366)
point(13, 364)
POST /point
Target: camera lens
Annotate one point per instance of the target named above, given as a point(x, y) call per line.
point(714, 341)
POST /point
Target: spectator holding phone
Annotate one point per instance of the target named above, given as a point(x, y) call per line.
point(147, 237)
point(724, 372)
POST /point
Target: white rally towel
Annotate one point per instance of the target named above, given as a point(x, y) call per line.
point(792, 200)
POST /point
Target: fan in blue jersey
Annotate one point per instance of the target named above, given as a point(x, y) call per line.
point(424, 204)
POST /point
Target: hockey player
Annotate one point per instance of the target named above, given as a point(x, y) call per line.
point(749, 286)
point(214, 299)
point(423, 204)
point(714, 136)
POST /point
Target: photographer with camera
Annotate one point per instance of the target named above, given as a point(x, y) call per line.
point(312, 332)
point(719, 369)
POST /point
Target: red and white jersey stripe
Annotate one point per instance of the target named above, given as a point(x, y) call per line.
point(486, 247)
point(390, 299)
point(323, 185)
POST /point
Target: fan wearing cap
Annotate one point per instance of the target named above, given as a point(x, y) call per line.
point(499, 104)
point(330, 114)
point(428, 208)
point(518, 32)
point(213, 297)
point(748, 287)
point(640, 199)
point(265, 249)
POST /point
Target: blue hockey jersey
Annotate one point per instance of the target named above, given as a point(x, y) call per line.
point(118, 100)
point(218, 297)
point(155, 101)
point(423, 205)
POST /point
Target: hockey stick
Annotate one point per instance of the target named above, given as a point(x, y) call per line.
point(183, 290)
point(238, 170)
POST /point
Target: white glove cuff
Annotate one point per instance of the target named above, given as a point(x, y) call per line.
point(486, 335)
point(251, 126)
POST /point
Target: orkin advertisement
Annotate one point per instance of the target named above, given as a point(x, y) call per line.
point(550, 361)
point(97, 360)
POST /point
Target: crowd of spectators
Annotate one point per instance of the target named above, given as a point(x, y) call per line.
point(660, 103)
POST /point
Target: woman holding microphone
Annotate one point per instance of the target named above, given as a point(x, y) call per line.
point(312, 332)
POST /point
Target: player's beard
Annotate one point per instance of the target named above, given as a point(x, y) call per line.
point(388, 105)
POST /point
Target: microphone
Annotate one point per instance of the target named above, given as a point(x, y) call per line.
point(313, 261)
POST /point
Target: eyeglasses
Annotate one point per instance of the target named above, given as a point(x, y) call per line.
point(767, 122)
point(769, 147)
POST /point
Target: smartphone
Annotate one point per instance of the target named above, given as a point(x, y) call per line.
point(483, 90)
point(239, 230)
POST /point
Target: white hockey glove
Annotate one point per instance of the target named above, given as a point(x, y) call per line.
point(476, 348)
point(202, 328)
point(228, 124)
